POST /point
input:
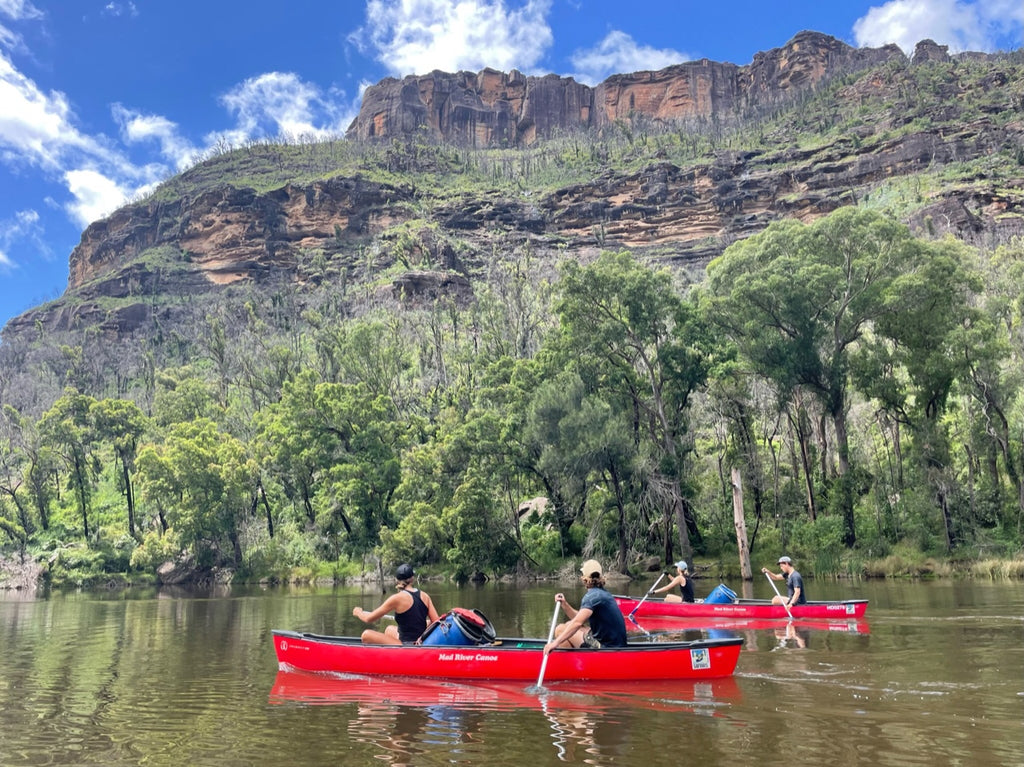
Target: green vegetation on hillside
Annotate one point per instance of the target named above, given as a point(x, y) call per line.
point(864, 378)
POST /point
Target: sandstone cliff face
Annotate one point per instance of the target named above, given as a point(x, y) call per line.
point(351, 229)
point(497, 109)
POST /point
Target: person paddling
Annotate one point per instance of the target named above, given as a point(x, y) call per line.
point(598, 608)
point(683, 581)
point(794, 583)
point(413, 610)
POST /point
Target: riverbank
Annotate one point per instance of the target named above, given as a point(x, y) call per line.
point(28, 574)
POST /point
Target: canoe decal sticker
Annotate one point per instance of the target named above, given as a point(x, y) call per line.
point(700, 659)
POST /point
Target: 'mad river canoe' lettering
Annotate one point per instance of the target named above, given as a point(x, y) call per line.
point(461, 656)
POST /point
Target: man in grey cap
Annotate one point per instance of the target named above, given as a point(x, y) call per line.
point(794, 583)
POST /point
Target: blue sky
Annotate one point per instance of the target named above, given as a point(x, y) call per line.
point(101, 99)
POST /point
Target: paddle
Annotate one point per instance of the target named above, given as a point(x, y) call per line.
point(551, 636)
point(649, 592)
point(633, 611)
point(772, 581)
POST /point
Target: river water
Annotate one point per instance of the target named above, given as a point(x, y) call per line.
point(933, 676)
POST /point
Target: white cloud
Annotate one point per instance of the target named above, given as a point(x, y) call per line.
point(618, 52)
point(19, 10)
point(120, 9)
point(139, 128)
point(279, 104)
point(24, 226)
point(982, 25)
point(419, 36)
point(96, 195)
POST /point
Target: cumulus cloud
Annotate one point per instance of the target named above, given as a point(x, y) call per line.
point(138, 128)
point(419, 36)
point(618, 52)
point(37, 130)
point(281, 104)
point(981, 25)
point(95, 195)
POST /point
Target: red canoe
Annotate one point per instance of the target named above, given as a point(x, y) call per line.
point(741, 608)
point(660, 624)
point(508, 659)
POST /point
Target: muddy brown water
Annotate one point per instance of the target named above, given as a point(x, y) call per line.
point(933, 676)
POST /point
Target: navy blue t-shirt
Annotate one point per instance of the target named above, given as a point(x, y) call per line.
point(606, 622)
point(793, 582)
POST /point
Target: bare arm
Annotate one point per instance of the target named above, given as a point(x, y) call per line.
point(574, 625)
point(390, 604)
point(568, 609)
point(773, 576)
point(431, 610)
point(679, 580)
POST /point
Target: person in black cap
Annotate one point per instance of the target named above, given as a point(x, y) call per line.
point(413, 609)
point(794, 583)
point(683, 581)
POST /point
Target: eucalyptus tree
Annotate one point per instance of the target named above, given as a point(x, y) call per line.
point(582, 442)
point(336, 450)
point(633, 339)
point(476, 463)
point(13, 469)
point(799, 301)
point(122, 423)
point(67, 428)
point(997, 380)
point(917, 353)
point(201, 484)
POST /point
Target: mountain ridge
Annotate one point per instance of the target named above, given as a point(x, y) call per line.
point(312, 218)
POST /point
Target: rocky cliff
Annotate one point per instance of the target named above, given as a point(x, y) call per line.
point(952, 126)
point(492, 108)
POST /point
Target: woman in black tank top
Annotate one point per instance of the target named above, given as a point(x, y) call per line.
point(413, 610)
point(683, 581)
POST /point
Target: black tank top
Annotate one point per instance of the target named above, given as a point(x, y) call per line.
point(687, 590)
point(413, 621)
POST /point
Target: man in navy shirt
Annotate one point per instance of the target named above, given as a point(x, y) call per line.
point(607, 627)
point(794, 583)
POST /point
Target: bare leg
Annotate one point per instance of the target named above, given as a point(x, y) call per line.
point(576, 640)
point(370, 636)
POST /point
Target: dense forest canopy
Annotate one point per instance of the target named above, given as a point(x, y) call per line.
point(865, 377)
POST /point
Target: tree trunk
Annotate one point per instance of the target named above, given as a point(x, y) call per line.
point(844, 484)
point(739, 522)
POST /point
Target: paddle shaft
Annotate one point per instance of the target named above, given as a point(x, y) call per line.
point(649, 592)
point(551, 636)
point(772, 581)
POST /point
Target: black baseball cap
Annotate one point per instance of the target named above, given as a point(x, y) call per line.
point(404, 572)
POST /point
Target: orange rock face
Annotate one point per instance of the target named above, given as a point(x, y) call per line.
point(492, 108)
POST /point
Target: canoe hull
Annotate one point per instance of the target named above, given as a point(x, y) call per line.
point(661, 624)
point(510, 659)
point(849, 609)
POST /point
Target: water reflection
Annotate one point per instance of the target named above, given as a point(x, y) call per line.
point(792, 636)
point(402, 718)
